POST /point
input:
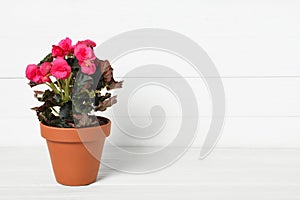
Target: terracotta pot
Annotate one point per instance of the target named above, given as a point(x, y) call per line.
point(75, 153)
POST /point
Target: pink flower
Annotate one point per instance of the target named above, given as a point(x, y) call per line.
point(66, 45)
point(60, 69)
point(57, 51)
point(89, 43)
point(84, 52)
point(33, 73)
point(87, 66)
point(63, 48)
point(45, 68)
point(46, 79)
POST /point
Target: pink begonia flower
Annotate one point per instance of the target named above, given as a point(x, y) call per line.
point(46, 79)
point(57, 51)
point(60, 69)
point(33, 73)
point(87, 66)
point(84, 52)
point(45, 68)
point(66, 45)
point(89, 43)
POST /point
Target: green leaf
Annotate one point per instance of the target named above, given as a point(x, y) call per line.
point(48, 58)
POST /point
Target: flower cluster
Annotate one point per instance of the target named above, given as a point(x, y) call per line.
point(59, 67)
point(59, 70)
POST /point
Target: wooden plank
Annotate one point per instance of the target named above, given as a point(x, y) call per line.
point(136, 192)
point(237, 132)
point(253, 97)
point(233, 57)
point(227, 173)
point(243, 39)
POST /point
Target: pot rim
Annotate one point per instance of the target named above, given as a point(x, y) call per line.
point(73, 135)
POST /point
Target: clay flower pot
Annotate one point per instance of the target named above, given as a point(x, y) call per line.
point(75, 153)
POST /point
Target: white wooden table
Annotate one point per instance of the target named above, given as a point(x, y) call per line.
point(226, 174)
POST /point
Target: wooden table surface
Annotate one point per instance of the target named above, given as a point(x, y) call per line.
point(226, 174)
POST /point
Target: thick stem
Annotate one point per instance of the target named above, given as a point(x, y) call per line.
point(53, 87)
point(67, 89)
point(61, 90)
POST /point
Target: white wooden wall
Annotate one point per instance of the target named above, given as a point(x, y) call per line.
point(255, 46)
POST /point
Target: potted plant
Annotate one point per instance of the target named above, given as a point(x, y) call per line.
point(72, 81)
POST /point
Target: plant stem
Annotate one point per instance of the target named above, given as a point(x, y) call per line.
point(61, 90)
point(59, 85)
point(67, 89)
point(53, 87)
